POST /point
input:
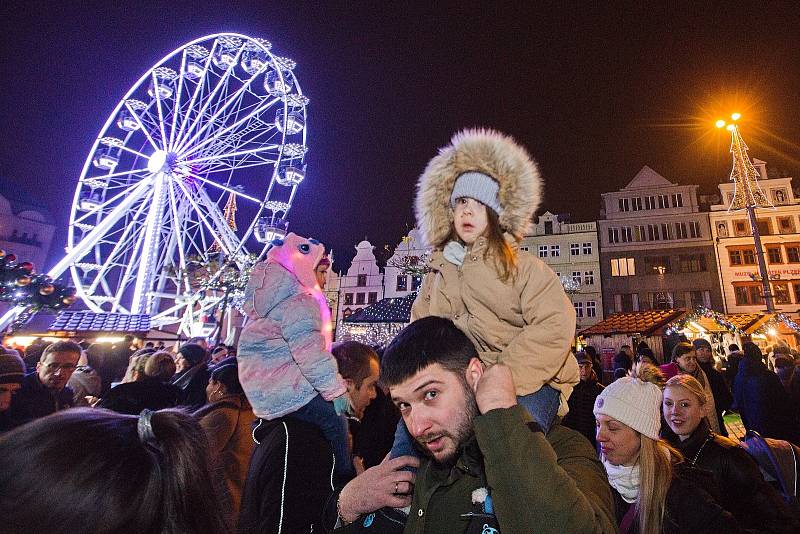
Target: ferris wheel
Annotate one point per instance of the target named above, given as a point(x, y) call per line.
point(217, 124)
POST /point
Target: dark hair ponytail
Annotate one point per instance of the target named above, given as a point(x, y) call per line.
point(91, 470)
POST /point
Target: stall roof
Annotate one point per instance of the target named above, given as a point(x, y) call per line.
point(388, 310)
point(87, 322)
point(645, 323)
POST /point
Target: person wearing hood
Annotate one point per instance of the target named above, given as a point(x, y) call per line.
point(285, 364)
point(192, 375)
point(475, 201)
point(761, 400)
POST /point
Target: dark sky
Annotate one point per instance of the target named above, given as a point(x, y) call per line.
point(594, 93)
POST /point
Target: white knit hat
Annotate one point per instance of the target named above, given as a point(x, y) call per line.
point(479, 186)
point(632, 402)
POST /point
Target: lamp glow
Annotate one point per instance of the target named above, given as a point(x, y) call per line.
point(720, 123)
point(736, 116)
point(730, 127)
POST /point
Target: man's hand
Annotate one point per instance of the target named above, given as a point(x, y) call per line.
point(495, 389)
point(385, 485)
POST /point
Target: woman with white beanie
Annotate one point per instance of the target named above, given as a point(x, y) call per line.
point(649, 481)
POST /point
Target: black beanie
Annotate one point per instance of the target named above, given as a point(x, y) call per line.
point(193, 354)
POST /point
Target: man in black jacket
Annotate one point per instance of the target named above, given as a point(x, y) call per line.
point(290, 477)
point(722, 395)
point(581, 402)
point(45, 390)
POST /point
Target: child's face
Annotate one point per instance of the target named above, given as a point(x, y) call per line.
point(470, 219)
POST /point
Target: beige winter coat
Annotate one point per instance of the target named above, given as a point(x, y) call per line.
point(527, 323)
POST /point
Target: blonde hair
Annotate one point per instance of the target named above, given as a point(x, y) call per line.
point(135, 365)
point(691, 384)
point(656, 461)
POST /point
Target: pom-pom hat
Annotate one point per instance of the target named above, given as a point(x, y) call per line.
point(632, 402)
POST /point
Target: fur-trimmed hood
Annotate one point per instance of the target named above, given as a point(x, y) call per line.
point(491, 153)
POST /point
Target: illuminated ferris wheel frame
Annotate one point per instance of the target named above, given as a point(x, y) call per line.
point(168, 166)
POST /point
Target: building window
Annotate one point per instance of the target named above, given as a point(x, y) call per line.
point(362, 280)
point(348, 298)
point(555, 251)
point(774, 255)
point(677, 200)
point(623, 204)
point(747, 294)
point(665, 233)
point(402, 282)
point(542, 251)
point(741, 228)
point(650, 202)
point(576, 277)
point(781, 292)
point(656, 265)
point(372, 298)
point(588, 278)
point(524, 249)
point(587, 249)
point(694, 229)
point(636, 204)
point(574, 249)
point(416, 281)
point(613, 235)
point(623, 267)
point(785, 225)
point(640, 233)
point(793, 254)
point(360, 298)
point(663, 201)
point(627, 302)
point(692, 263)
point(680, 230)
point(653, 232)
point(578, 309)
point(591, 309)
point(742, 255)
point(627, 234)
point(796, 288)
point(764, 226)
point(548, 227)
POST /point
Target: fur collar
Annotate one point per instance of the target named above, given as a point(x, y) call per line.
point(488, 152)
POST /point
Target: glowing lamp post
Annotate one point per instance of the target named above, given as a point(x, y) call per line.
point(748, 196)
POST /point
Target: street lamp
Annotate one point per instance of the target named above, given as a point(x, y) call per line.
point(748, 196)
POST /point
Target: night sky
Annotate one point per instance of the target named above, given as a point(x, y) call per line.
point(594, 93)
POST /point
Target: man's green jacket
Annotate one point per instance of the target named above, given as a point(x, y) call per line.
point(539, 485)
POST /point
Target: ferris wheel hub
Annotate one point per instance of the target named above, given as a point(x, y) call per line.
point(157, 161)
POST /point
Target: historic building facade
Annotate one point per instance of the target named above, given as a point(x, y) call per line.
point(656, 247)
point(27, 231)
point(571, 250)
point(779, 227)
point(362, 285)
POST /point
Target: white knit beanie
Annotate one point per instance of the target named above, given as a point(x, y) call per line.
point(632, 402)
point(479, 186)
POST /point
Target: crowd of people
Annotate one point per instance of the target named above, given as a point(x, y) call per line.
point(478, 417)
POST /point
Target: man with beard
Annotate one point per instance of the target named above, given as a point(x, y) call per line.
point(486, 464)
